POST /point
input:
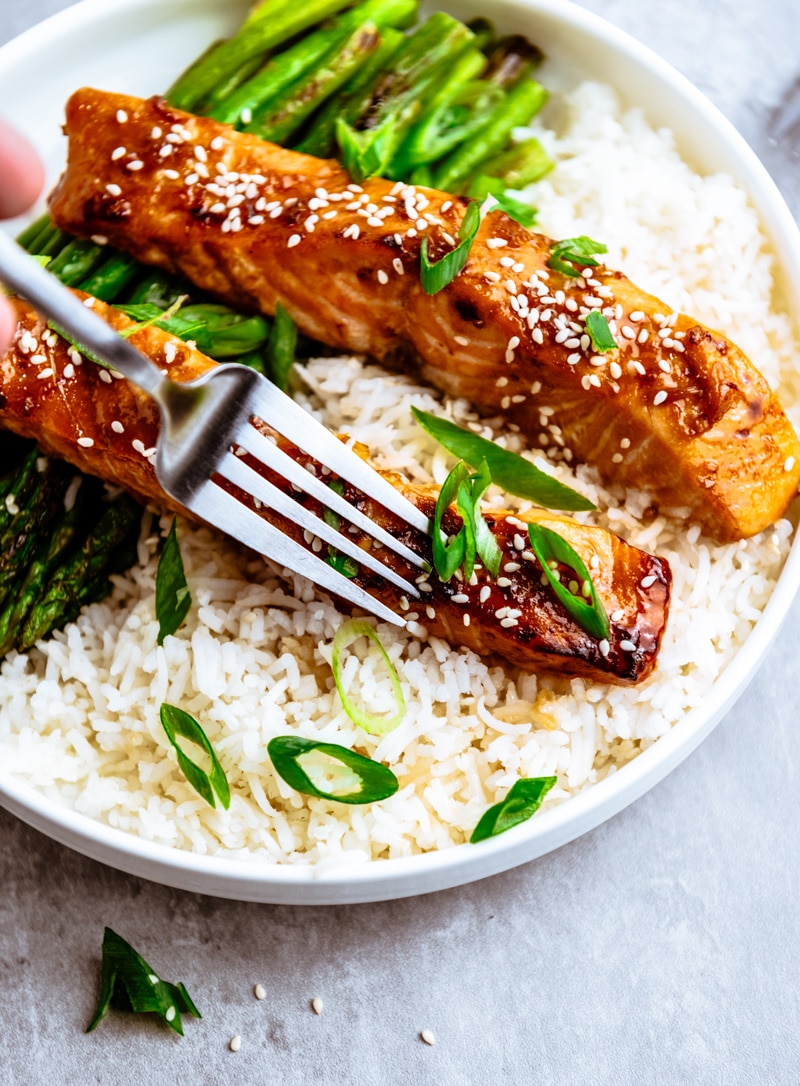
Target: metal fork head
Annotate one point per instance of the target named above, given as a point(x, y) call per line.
point(210, 458)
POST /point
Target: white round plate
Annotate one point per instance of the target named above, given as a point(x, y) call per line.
point(139, 46)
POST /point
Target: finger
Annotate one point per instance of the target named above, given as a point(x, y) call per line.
point(21, 173)
point(7, 325)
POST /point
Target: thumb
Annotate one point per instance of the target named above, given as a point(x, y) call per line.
point(7, 325)
point(21, 173)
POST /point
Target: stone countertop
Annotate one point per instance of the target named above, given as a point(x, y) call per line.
point(660, 948)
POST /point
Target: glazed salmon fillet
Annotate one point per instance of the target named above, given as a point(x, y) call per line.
point(675, 408)
point(107, 427)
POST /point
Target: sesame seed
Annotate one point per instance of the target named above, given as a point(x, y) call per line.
point(113, 190)
point(659, 398)
point(462, 341)
point(170, 1015)
point(496, 243)
point(122, 116)
point(217, 143)
point(42, 374)
point(317, 1005)
point(86, 442)
point(246, 115)
point(173, 175)
point(118, 153)
point(617, 616)
point(427, 1036)
point(646, 582)
point(383, 278)
point(11, 505)
point(235, 1042)
point(617, 458)
point(446, 206)
point(69, 370)
point(627, 646)
point(106, 377)
point(460, 597)
point(503, 582)
point(604, 647)
point(788, 463)
point(397, 264)
point(293, 240)
point(137, 164)
point(117, 427)
point(508, 623)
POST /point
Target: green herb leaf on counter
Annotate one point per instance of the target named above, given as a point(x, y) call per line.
point(573, 254)
point(435, 277)
point(584, 606)
point(599, 332)
point(521, 213)
point(374, 723)
point(367, 781)
point(511, 472)
point(129, 984)
point(172, 593)
point(281, 348)
point(522, 802)
point(176, 722)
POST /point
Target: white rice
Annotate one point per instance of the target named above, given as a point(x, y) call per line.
point(79, 715)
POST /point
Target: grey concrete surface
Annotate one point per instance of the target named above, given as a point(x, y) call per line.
point(661, 948)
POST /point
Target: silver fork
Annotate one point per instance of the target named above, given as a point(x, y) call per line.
point(204, 421)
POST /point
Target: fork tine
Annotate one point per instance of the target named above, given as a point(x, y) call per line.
point(274, 457)
point(222, 510)
point(232, 468)
point(295, 423)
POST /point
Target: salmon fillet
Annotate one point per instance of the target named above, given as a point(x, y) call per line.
point(676, 408)
point(107, 427)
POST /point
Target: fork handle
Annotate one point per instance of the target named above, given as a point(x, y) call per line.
point(46, 294)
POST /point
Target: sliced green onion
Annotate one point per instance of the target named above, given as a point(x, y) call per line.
point(599, 332)
point(281, 348)
point(447, 557)
point(365, 153)
point(342, 563)
point(524, 214)
point(509, 471)
point(480, 538)
point(163, 316)
point(565, 255)
point(176, 722)
point(589, 614)
point(374, 781)
point(435, 277)
point(522, 802)
point(128, 983)
point(373, 723)
point(172, 592)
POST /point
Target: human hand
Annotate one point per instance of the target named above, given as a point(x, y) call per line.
point(21, 180)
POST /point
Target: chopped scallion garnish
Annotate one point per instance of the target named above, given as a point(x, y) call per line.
point(372, 780)
point(364, 153)
point(599, 332)
point(447, 557)
point(511, 472)
point(374, 723)
point(129, 984)
point(435, 277)
point(176, 723)
point(524, 214)
point(172, 593)
point(589, 613)
point(573, 254)
point(480, 542)
point(522, 802)
point(342, 563)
